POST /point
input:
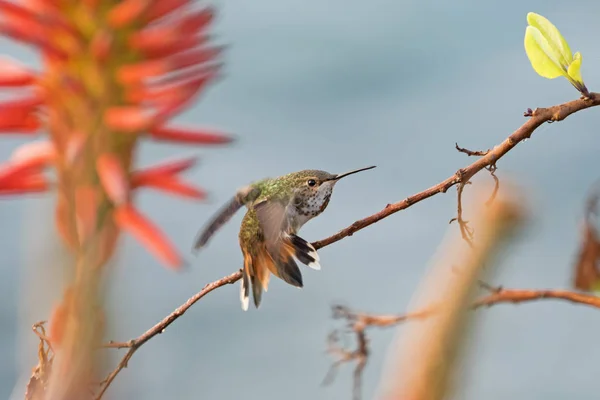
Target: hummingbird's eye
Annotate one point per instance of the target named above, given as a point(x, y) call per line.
point(311, 182)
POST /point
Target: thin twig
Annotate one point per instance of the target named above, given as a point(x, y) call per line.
point(536, 118)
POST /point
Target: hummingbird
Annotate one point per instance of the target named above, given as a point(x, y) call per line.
point(276, 210)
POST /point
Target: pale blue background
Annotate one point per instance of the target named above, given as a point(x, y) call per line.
point(335, 85)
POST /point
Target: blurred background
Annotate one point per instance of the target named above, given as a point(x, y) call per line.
point(338, 85)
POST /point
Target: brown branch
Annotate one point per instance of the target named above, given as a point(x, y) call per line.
point(537, 118)
point(488, 161)
point(159, 328)
point(359, 322)
point(516, 296)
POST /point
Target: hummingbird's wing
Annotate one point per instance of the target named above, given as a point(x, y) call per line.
point(242, 197)
point(274, 217)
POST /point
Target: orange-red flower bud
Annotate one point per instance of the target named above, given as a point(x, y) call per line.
point(130, 220)
point(113, 178)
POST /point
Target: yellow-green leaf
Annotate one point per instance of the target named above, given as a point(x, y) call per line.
point(574, 70)
point(555, 39)
point(542, 57)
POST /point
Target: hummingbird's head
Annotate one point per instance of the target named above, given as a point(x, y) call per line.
point(316, 187)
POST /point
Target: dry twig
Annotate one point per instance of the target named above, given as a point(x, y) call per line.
point(537, 117)
point(38, 382)
point(358, 323)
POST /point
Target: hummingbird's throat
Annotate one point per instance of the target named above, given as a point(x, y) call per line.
point(316, 202)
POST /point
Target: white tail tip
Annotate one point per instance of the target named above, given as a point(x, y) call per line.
point(315, 265)
point(245, 300)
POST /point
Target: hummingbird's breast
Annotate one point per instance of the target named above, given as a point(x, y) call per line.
point(308, 207)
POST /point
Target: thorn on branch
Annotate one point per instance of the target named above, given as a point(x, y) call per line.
point(478, 153)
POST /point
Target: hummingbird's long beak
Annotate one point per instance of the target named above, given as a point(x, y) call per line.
point(340, 176)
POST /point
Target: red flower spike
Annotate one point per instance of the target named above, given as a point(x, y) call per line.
point(113, 178)
point(196, 56)
point(179, 135)
point(170, 107)
point(204, 72)
point(160, 8)
point(27, 103)
point(129, 118)
point(38, 154)
point(19, 123)
point(166, 49)
point(13, 74)
point(167, 35)
point(74, 147)
point(17, 169)
point(100, 45)
point(125, 12)
point(134, 73)
point(161, 38)
point(28, 184)
point(169, 184)
point(174, 96)
point(165, 169)
point(130, 220)
point(18, 14)
point(32, 34)
point(18, 115)
point(196, 21)
point(36, 14)
point(177, 88)
point(91, 4)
